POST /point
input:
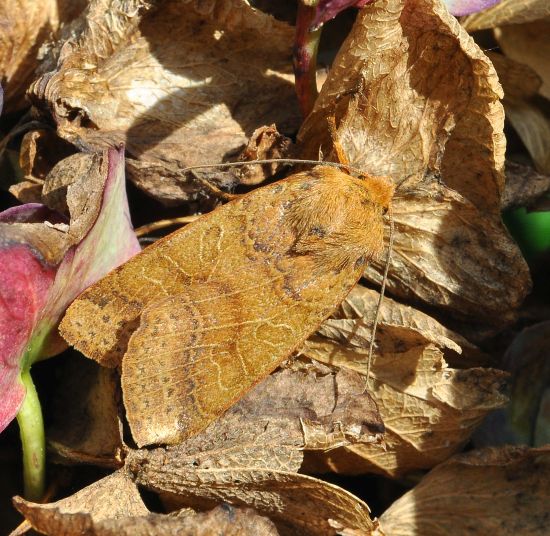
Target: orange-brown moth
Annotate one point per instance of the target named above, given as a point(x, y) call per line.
point(202, 315)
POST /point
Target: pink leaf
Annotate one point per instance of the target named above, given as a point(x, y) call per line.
point(34, 291)
point(24, 284)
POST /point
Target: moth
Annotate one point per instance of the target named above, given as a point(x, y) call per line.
point(202, 315)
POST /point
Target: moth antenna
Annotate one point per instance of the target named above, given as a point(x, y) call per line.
point(380, 298)
point(274, 161)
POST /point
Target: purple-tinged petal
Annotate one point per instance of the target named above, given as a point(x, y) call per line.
point(328, 9)
point(460, 8)
point(31, 213)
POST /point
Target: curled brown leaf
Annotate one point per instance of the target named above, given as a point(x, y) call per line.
point(493, 491)
point(179, 86)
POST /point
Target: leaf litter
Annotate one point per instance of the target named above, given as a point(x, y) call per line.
point(410, 96)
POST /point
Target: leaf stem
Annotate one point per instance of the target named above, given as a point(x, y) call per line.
point(31, 427)
point(306, 45)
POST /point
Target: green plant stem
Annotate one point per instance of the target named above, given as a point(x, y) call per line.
point(31, 427)
point(306, 45)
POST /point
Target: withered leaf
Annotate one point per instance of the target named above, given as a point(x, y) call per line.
point(449, 253)
point(224, 520)
point(265, 143)
point(407, 81)
point(493, 491)
point(222, 302)
point(399, 326)
point(26, 26)
point(507, 12)
point(429, 410)
point(308, 505)
point(184, 84)
point(113, 497)
point(438, 135)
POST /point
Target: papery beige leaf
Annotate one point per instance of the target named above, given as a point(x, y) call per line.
point(40, 151)
point(224, 520)
point(450, 254)
point(407, 79)
point(519, 81)
point(507, 12)
point(74, 186)
point(27, 191)
point(305, 407)
point(85, 425)
point(305, 504)
point(25, 25)
point(429, 410)
point(399, 326)
point(113, 497)
point(492, 491)
point(179, 87)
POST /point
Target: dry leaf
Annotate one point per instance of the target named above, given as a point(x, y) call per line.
point(429, 410)
point(306, 504)
point(507, 12)
point(519, 81)
point(180, 85)
point(533, 127)
point(223, 301)
point(450, 254)
point(113, 497)
point(399, 326)
point(265, 143)
point(85, 425)
point(224, 520)
point(406, 79)
point(25, 26)
point(40, 151)
point(492, 491)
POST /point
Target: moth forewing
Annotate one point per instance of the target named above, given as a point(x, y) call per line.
point(223, 301)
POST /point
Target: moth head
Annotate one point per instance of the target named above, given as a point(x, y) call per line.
point(381, 190)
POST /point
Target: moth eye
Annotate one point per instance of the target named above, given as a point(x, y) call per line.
point(384, 210)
